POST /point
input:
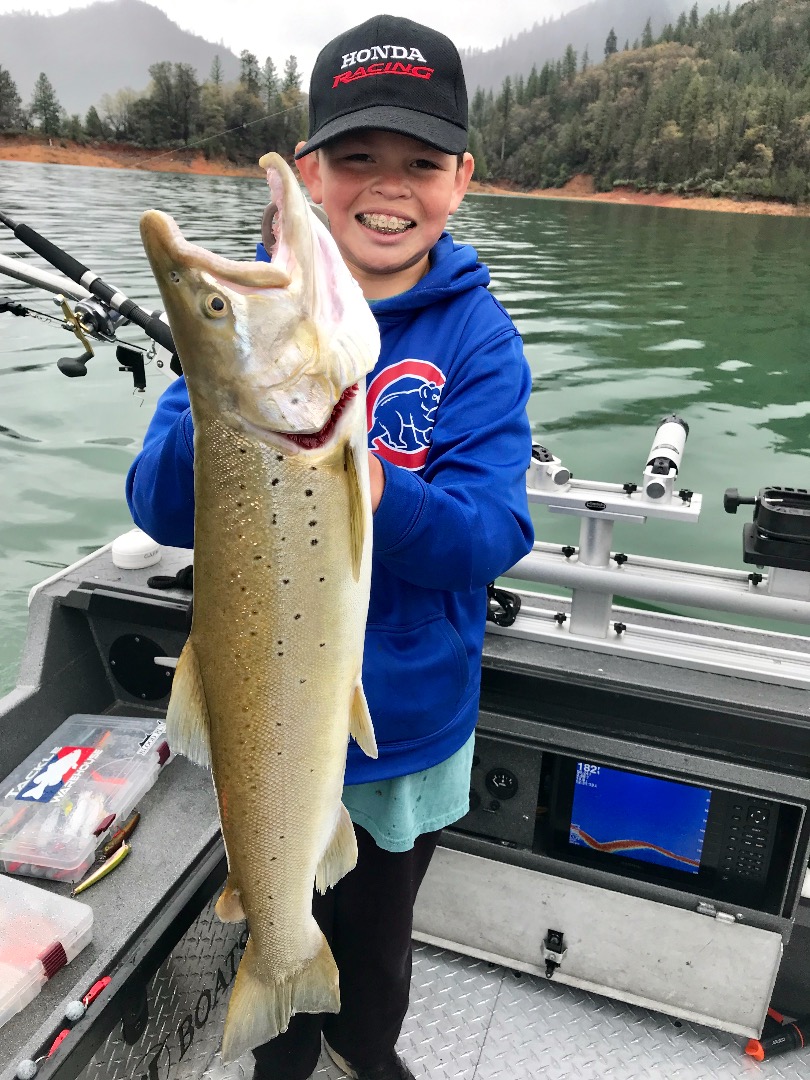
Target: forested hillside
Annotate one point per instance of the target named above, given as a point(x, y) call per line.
point(237, 120)
point(719, 105)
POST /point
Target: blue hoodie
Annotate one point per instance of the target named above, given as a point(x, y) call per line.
point(447, 417)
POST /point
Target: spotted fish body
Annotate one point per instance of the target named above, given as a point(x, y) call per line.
point(268, 688)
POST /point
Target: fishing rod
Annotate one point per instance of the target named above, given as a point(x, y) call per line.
point(93, 317)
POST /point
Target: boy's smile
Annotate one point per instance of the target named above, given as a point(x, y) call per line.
point(388, 198)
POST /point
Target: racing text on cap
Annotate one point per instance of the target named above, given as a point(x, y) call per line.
point(394, 65)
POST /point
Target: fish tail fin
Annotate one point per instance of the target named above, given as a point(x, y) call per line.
point(229, 906)
point(259, 1009)
point(361, 728)
point(187, 724)
point(341, 853)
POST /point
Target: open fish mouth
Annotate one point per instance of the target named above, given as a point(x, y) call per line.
point(314, 440)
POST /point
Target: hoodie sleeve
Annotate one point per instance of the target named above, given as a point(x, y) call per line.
point(160, 482)
point(466, 519)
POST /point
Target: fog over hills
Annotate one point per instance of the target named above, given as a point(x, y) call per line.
point(97, 50)
point(586, 28)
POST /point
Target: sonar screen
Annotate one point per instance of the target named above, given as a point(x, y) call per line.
point(639, 817)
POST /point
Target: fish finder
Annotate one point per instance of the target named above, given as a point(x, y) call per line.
point(722, 844)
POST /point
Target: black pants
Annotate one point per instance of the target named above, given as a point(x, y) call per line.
point(367, 919)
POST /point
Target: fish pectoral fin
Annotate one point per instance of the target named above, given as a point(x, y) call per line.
point(341, 853)
point(260, 1009)
point(187, 723)
point(357, 511)
point(229, 906)
point(361, 728)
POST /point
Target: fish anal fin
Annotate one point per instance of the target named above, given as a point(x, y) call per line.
point(229, 906)
point(361, 728)
point(187, 722)
point(260, 1009)
point(357, 511)
point(340, 855)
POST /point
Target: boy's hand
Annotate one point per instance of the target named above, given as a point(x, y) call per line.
point(376, 479)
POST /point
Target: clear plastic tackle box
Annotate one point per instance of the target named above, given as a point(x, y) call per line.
point(40, 932)
point(66, 797)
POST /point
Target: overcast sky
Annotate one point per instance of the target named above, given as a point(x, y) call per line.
point(301, 27)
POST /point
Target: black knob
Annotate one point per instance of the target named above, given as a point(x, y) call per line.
point(74, 366)
point(732, 500)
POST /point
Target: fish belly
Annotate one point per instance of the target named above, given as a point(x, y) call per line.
point(277, 639)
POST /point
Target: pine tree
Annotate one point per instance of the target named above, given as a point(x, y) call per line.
point(72, 129)
point(216, 72)
point(187, 98)
point(249, 72)
point(270, 87)
point(647, 35)
point(533, 84)
point(45, 106)
point(93, 125)
point(10, 102)
point(506, 105)
point(292, 76)
point(569, 64)
point(610, 44)
point(292, 101)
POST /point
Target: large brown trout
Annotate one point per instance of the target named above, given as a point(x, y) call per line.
point(267, 690)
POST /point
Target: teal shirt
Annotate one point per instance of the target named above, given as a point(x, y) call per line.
point(396, 811)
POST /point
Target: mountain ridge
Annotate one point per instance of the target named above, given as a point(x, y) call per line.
point(57, 45)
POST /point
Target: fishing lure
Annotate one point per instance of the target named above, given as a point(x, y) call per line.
point(104, 869)
point(120, 835)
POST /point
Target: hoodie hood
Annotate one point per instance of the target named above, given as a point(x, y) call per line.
point(454, 269)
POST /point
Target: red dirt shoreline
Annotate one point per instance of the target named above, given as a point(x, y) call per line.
point(193, 163)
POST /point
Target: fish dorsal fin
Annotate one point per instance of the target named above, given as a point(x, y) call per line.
point(361, 728)
point(187, 724)
point(357, 511)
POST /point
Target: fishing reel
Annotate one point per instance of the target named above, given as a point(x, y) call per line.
point(92, 318)
point(99, 309)
point(97, 319)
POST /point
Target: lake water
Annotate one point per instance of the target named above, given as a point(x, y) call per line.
point(628, 313)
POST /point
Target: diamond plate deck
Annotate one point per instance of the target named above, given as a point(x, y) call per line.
point(469, 1020)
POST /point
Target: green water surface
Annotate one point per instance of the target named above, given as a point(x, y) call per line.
point(628, 313)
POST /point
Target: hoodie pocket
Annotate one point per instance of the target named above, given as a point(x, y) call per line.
point(414, 678)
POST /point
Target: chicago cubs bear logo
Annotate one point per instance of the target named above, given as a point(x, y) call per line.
point(401, 405)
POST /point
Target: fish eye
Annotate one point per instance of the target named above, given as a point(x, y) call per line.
point(215, 306)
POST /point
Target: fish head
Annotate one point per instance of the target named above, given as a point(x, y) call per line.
point(274, 349)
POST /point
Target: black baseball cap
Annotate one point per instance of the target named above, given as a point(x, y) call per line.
point(393, 75)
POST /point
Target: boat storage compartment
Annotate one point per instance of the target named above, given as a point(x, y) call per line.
point(631, 833)
point(638, 950)
point(39, 934)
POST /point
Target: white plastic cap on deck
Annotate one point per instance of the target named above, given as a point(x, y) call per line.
point(134, 549)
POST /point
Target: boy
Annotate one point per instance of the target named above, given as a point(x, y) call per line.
point(449, 448)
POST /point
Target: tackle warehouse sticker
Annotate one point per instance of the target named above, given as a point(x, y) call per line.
point(53, 778)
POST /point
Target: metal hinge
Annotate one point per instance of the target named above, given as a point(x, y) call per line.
point(722, 916)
